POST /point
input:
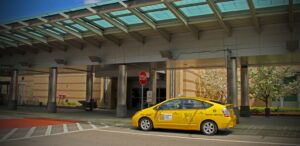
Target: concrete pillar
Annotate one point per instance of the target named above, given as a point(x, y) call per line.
point(153, 85)
point(245, 108)
point(12, 104)
point(172, 83)
point(52, 90)
point(105, 90)
point(122, 88)
point(89, 89)
point(232, 83)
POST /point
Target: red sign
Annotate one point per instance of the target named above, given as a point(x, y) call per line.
point(143, 78)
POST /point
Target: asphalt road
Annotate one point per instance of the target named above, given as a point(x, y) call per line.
point(116, 136)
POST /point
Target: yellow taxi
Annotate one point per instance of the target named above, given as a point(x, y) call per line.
point(186, 113)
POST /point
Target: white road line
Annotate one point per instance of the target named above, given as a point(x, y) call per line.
point(199, 138)
point(48, 131)
point(10, 133)
point(92, 125)
point(30, 132)
point(79, 127)
point(65, 128)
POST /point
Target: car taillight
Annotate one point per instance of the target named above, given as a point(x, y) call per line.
point(225, 112)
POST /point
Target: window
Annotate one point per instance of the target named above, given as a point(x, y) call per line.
point(207, 105)
point(195, 104)
point(192, 104)
point(170, 105)
point(235, 5)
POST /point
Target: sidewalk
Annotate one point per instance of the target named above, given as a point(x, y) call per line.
point(255, 125)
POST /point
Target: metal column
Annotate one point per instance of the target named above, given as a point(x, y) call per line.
point(13, 91)
point(173, 83)
point(89, 89)
point(244, 109)
point(52, 90)
point(154, 85)
point(122, 88)
point(232, 84)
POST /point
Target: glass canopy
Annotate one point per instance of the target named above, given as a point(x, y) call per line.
point(125, 17)
point(235, 5)
point(98, 22)
point(269, 3)
point(158, 13)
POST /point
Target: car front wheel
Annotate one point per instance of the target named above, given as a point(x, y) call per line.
point(145, 124)
point(209, 128)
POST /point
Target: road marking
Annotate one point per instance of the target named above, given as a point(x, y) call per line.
point(92, 125)
point(10, 133)
point(79, 127)
point(48, 131)
point(65, 128)
point(30, 132)
point(198, 138)
point(37, 136)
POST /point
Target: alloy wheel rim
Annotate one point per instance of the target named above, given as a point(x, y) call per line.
point(145, 124)
point(208, 128)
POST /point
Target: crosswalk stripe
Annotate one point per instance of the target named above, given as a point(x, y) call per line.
point(65, 128)
point(92, 125)
point(9, 134)
point(79, 127)
point(49, 129)
point(30, 132)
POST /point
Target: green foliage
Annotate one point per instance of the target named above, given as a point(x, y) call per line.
point(269, 83)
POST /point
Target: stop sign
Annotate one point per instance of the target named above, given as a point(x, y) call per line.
point(143, 78)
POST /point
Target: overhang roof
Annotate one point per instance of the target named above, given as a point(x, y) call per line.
point(113, 22)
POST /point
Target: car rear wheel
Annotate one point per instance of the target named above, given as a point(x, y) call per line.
point(145, 124)
point(209, 128)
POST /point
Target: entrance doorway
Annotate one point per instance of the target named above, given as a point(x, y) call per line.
point(4, 92)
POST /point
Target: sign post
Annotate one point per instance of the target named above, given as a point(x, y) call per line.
point(143, 82)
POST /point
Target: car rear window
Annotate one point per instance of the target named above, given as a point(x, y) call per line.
point(207, 105)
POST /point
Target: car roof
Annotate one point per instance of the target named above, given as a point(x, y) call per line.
point(197, 98)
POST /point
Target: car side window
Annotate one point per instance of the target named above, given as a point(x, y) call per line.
point(170, 105)
point(195, 104)
point(192, 104)
point(207, 105)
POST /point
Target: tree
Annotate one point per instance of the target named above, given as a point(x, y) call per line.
point(267, 83)
point(211, 84)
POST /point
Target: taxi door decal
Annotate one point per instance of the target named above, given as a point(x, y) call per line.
point(167, 117)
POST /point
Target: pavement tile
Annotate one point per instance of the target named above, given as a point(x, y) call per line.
point(86, 126)
point(20, 133)
point(4, 131)
point(57, 129)
point(40, 131)
point(72, 127)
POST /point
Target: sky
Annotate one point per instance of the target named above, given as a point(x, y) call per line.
point(12, 10)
